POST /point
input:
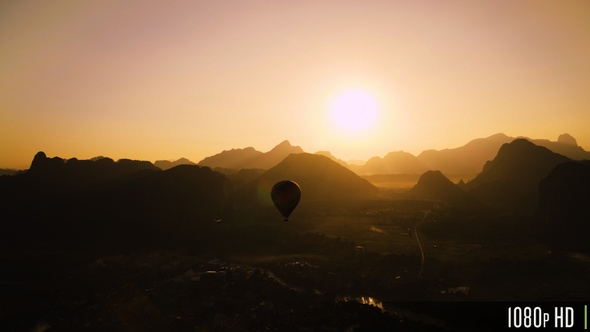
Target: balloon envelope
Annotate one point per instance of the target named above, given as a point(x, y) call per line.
point(286, 195)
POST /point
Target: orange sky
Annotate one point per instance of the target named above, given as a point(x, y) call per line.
point(169, 79)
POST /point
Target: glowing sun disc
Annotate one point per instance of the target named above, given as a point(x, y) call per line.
point(354, 111)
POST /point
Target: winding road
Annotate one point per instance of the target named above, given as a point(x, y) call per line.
point(420, 243)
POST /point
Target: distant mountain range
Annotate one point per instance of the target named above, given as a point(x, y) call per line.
point(467, 160)
point(329, 155)
point(462, 162)
point(103, 202)
point(74, 172)
point(251, 158)
point(79, 200)
point(398, 162)
point(510, 182)
point(522, 177)
point(167, 164)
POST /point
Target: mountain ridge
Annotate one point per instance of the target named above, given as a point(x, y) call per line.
point(396, 162)
point(320, 179)
point(464, 161)
point(436, 186)
point(468, 160)
point(510, 181)
point(167, 164)
point(250, 157)
point(80, 201)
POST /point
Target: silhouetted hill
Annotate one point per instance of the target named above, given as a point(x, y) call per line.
point(167, 164)
point(567, 139)
point(434, 185)
point(251, 158)
point(566, 145)
point(232, 159)
point(331, 156)
point(42, 165)
point(467, 159)
point(564, 203)
point(511, 180)
point(463, 162)
point(470, 158)
point(398, 162)
point(86, 202)
point(320, 179)
point(274, 156)
point(74, 172)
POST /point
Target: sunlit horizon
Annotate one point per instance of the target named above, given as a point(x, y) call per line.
point(165, 80)
point(358, 159)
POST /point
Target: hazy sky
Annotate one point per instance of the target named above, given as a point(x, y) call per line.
point(169, 79)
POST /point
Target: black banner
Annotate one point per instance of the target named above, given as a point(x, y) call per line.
point(495, 316)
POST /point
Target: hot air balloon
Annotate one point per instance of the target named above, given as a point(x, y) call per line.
point(286, 194)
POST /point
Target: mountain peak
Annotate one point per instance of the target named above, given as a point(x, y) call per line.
point(285, 143)
point(167, 164)
point(396, 162)
point(567, 139)
point(433, 181)
point(286, 146)
point(435, 185)
point(498, 136)
point(522, 154)
point(40, 155)
point(41, 163)
point(320, 178)
point(518, 143)
point(398, 153)
point(250, 157)
point(466, 160)
point(511, 179)
point(331, 156)
point(434, 175)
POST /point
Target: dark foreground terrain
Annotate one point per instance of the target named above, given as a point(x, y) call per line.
point(124, 246)
point(334, 268)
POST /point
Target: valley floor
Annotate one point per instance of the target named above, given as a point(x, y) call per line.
point(327, 269)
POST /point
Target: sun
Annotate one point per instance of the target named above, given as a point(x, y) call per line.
point(354, 111)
